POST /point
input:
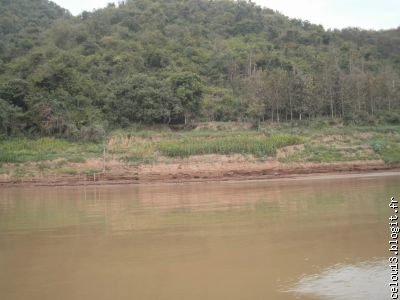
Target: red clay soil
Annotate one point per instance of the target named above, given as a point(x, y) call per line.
point(202, 171)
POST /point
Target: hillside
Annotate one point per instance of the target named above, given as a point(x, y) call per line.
point(178, 61)
point(21, 24)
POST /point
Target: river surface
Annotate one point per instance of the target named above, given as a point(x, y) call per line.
point(310, 238)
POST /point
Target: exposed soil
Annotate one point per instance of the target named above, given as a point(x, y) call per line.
point(197, 168)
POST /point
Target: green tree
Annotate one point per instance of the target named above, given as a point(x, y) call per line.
point(11, 118)
point(15, 92)
point(188, 91)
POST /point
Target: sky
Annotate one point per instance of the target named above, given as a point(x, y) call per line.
point(367, 14)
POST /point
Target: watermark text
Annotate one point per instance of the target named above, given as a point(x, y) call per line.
point(394, 249)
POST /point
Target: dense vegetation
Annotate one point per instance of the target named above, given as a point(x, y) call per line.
point(178, 61)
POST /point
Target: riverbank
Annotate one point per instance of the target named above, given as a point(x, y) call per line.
point(194, 173)
point(208, 152)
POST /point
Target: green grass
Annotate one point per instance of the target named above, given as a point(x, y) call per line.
point(391, 154)
point(323, 154)
point(134, 152)
point(259, 146)
point(142, 131)
point(207, 133)
point(67, 171)
point(380, 128)
point(76, 159)
point(387, 147)
point(26, 150)
point(345, 143)
point(91, 172)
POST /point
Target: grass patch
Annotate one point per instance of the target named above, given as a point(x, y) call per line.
point(314, 154)
point(41, 166)
point(67, 171)
point(258, 146)
point(391, 154)
point(76, 159)
point(136, 160)
point(327, 154)
point(130, 150)
point(323, 154)
point(388, 148)
point(381, 128)
point(25, 150)
point(91, 172)
point(21, 172)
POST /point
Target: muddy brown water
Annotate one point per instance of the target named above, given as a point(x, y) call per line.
point(310, 238)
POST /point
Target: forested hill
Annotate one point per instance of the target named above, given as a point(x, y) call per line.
point(171, 61)
point(22, 22)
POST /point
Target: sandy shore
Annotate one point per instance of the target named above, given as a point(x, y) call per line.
point(201, 171)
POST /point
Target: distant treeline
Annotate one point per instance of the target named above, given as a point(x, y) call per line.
point(177, 61)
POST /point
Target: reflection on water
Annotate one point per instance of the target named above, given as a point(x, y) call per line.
point(368, 280)
point(247, 240)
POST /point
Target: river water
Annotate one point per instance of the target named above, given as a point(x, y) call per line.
point(306, 238)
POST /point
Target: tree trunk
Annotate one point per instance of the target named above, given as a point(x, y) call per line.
point(372, 105)
point(272, 114)
point(277, 115)
point(331, 100)
point(342, 104)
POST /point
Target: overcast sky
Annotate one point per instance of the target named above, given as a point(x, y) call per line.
point(367, 14)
